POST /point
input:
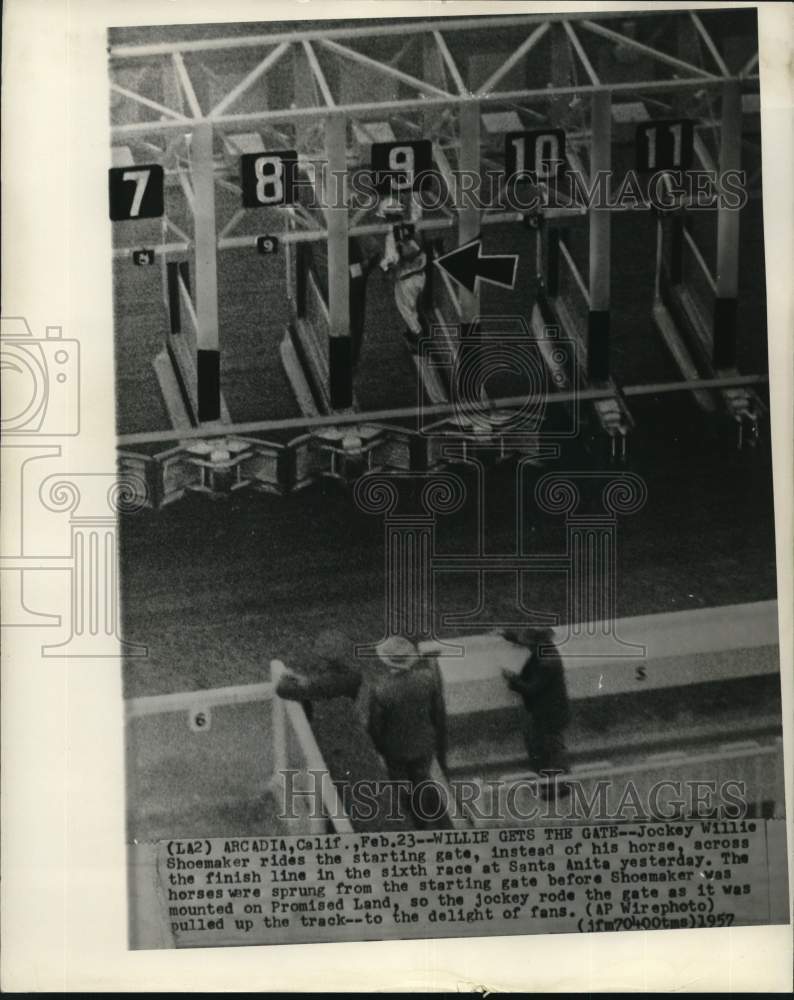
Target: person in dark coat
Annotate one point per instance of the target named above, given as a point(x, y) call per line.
point(408, 720)
point(334, 677)
point(541, 684)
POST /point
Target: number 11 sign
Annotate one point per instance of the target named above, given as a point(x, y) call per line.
point(664, 145)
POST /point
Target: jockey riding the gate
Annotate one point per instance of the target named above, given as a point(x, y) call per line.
point(404, 257)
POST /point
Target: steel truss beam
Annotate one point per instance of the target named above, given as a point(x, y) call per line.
point(579, 50)
point(450, 63)
point(747, 69)
point(372, 109)
point(709, 43)
point(385, 68)
point(319, 76)
point(275, 46)
point(524, 49)
point(463, 104)
point(420, 26)
point(250, 79)
point(648, 50)
point(186, 84)
point(147, 102)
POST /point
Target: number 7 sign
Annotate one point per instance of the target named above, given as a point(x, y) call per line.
point(136, 192)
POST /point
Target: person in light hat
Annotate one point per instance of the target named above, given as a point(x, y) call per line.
point(334, 675)
point(541, 684)
point(397, 653)
point(407, 720)
point(404, 257)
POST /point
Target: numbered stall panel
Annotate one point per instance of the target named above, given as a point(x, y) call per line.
point(267, 245)
point(268, 178)
point(539, 155)
point(143, 257)
point(398, 164)
point(136, 192)
point(664, 145)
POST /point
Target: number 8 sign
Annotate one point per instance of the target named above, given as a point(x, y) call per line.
point(268, 178)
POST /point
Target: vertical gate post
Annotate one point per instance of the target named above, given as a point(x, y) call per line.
point(599, 270)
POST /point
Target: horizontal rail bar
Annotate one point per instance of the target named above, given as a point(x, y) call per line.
point(541, 95)
point(404, 28)
point(121, 253)
point(179, 701)
point(649, 764)
point(680, 648)
point(445, 409)
point(366, 229)
point(382, 228)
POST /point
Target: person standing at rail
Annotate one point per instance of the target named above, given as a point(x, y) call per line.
point(408, 724)
point(541, 684)
point(406, 260)
point(334, 676)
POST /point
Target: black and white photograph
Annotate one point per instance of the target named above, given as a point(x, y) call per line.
point(446, 523)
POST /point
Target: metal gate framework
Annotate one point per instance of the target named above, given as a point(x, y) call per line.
point(194, 106)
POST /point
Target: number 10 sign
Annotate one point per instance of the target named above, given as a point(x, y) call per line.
point(538, 155)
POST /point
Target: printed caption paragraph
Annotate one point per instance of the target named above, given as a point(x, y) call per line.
point(626, 876)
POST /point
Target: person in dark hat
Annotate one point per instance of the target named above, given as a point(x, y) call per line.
point(408, 721)
point(541, 684)
point(334, 677)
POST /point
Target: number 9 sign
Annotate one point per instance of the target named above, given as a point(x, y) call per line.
point(267, 244)
point(268, 178)
point(400, 162)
